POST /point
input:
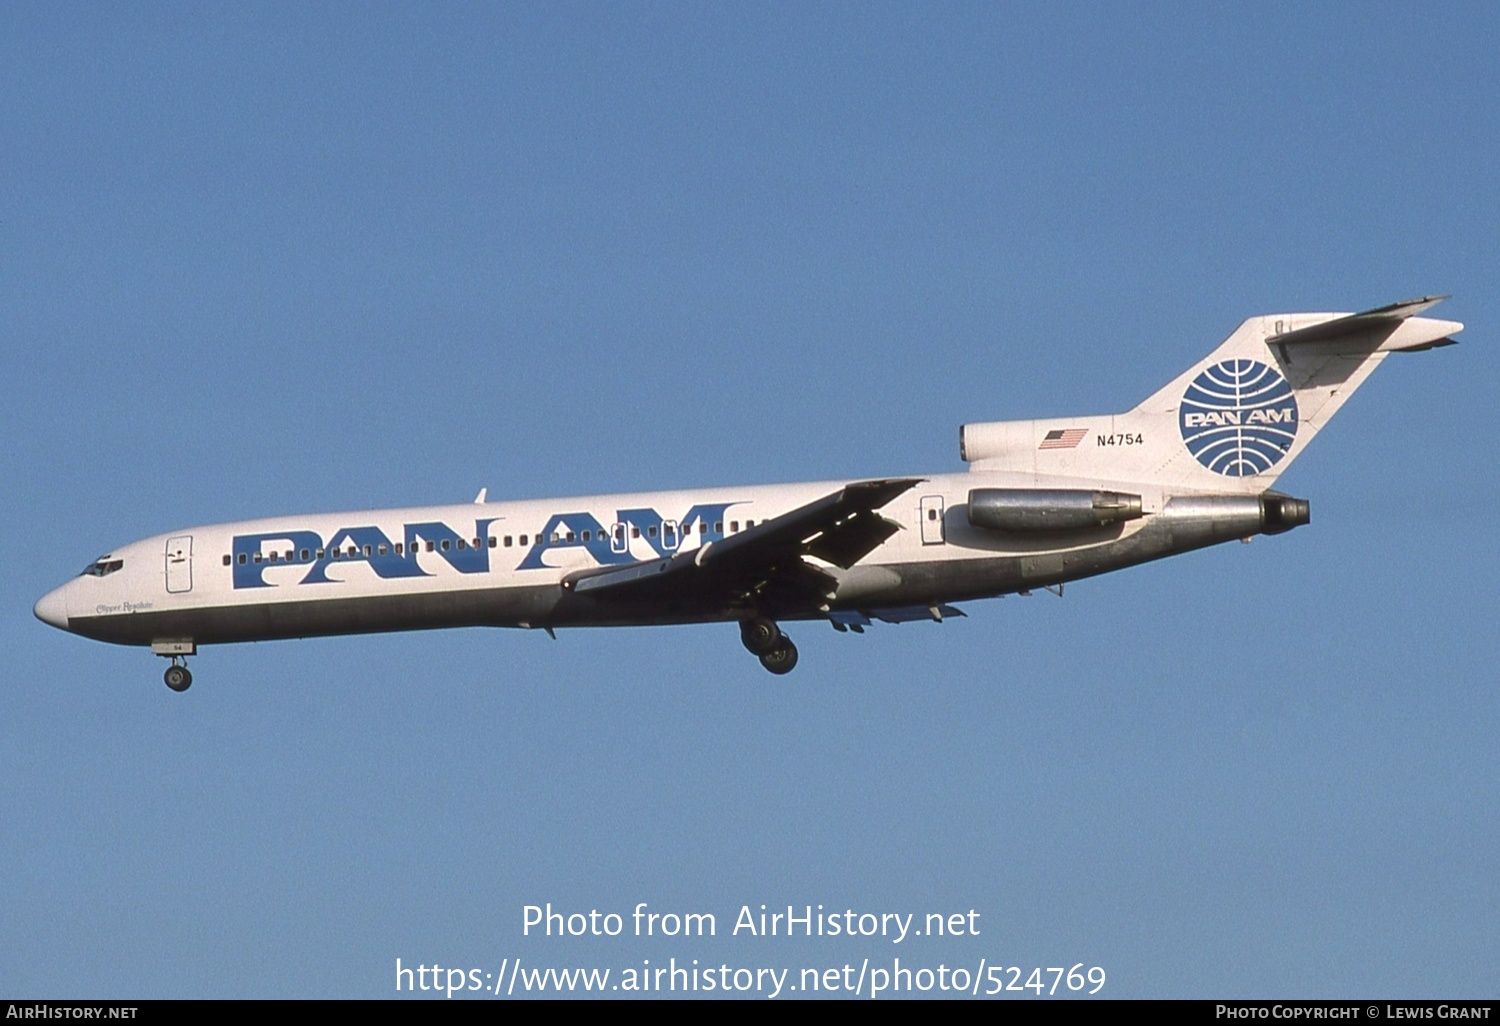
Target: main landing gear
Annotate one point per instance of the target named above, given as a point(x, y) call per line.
point(178, 677)
point(764, 639)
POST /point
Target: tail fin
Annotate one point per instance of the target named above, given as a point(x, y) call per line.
point(1233, 421)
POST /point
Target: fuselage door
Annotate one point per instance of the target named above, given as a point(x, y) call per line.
point(932, 519)
point(669, 538)
point(180, 564)
point(617, 540)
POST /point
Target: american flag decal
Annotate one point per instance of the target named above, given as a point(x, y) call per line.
point(1060, 439)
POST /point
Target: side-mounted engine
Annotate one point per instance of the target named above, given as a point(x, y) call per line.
point(1032, 510)
point(1049, 509)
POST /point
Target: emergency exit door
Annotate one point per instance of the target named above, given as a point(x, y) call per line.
point(931, 513)
point(180, 564)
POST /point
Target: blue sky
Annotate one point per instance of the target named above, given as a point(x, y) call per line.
point(282, 259)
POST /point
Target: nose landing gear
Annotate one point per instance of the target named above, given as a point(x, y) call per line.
point(178, 677)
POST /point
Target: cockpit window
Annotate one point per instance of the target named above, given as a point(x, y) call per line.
point(102, 567)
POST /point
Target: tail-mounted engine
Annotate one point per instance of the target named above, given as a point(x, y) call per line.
point(1049, 509)
point(1032, 510)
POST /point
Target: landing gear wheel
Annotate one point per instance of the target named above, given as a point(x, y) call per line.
point(782, 658)
point(178, 678)
point(760, 635)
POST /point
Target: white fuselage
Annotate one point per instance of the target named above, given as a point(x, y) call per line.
point(503, 563)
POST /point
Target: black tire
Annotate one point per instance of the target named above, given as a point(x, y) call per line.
point(760, 635)
point(178, 678)
point(781, 659)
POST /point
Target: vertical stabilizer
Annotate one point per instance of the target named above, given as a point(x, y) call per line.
point(1233, 421)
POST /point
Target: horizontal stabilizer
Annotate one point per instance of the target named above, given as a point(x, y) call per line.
point(1357, 323)
point(1422, 347)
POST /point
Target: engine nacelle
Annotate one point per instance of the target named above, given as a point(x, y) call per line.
point(1218, 517)
point(1281, 513)
point(1049, 509)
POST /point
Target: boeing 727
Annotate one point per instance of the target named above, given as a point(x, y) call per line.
point(1043, 502)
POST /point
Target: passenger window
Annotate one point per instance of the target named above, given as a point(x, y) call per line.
point(734, 527)
point(446, 545)
point(382, 550)
point(398, 548)
point(523, 539)
point(494, 541)
point(243, 559)
point(353, 552)
point(227, 560)
point(305, 554)
point(587, 535)
point(635, 532)
point(320, 555)
point(651, 531)
point(461, 544)
point(275, 556)
point(507, 541)
point(258, 557)
point(430, 547)
point(570, 536)
point(367, 552)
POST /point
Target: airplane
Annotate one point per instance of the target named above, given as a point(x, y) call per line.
point(1043, 503)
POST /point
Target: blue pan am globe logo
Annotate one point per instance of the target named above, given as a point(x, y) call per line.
point(1238, 418)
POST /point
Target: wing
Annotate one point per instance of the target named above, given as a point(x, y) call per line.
point(765, 566)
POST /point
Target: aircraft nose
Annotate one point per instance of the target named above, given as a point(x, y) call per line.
point(52, 608)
